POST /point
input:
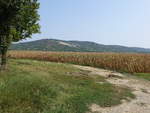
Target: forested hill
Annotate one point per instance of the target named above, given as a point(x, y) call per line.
point(74, 46)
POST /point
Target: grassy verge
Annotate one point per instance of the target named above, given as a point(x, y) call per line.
point(143, 75)
point(43, 87)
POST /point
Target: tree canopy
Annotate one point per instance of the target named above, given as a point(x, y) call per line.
point(18, 20)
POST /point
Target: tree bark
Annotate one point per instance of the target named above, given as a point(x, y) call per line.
point(3, 58)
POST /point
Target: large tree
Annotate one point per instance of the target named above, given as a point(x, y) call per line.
point(18, 20)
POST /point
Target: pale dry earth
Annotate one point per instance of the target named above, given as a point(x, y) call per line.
point(140, 88)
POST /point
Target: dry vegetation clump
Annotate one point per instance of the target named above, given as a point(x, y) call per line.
point(125, 62)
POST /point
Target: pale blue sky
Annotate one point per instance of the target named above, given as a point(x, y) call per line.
point(113, 22)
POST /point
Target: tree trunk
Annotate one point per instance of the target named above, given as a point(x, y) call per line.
point(3, 58)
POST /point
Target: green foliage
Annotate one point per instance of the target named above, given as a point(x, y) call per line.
point(143, 75)
point(18, 18)
point(27, 20)
point(54, 88)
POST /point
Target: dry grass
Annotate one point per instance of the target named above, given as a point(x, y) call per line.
point(115, 61)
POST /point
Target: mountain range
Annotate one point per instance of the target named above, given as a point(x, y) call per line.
point(74, 46)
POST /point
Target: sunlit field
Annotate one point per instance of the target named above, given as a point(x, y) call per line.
point(123, 62)
point(54, 88)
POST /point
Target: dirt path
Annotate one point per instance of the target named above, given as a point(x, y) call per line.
point(141, 89)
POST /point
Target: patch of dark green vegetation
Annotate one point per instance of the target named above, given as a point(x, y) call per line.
point(143, 75)
point(42, 87)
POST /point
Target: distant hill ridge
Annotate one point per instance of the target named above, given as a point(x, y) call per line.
point(74, 46)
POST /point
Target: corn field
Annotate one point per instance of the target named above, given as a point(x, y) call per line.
point(123, 62)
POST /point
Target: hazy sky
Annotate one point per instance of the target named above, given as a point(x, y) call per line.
point(121, 22)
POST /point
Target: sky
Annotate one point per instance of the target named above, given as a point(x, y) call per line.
point(110, 22)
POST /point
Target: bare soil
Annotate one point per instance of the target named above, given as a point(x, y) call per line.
point(140, 88)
